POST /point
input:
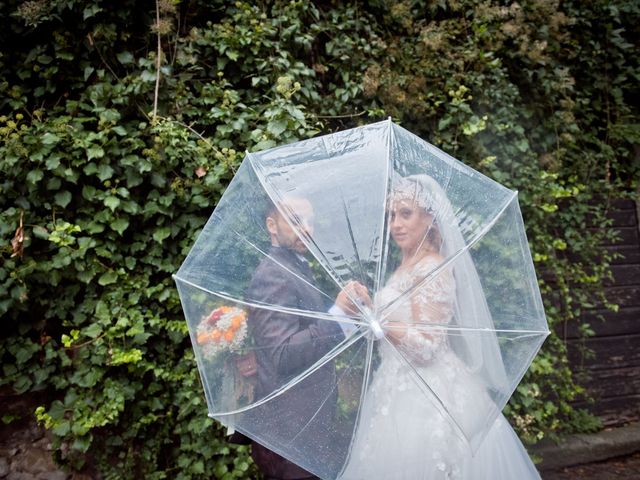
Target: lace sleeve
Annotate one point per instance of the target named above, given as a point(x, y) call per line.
point(431, 304)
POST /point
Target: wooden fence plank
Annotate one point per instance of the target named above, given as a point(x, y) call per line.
point(621, 204)
point(628, 254)
point(614, 411)
point(608, 352)
point(623, 218)
point(624, 275)
point(613, 382)
point(626, 236)
point(624, 322)
point(624, 296)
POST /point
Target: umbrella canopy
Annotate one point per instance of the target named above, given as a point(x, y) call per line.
point(279, 365)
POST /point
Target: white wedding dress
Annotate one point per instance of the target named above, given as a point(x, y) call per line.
point(400, 434)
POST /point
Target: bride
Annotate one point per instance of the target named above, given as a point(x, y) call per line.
point(400, 434)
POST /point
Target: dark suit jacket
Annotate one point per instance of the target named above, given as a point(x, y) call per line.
point(286, 345)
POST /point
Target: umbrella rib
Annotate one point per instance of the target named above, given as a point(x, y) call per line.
point(315, 414)
point(443, 326)
point(524, 246)
point(317, 410)
point(274, 308)
point(448, 261)
point(422, 383)
point(384, 233)
point(306, 239)
point(363, 392)
point(353, 240)
point(330, 355)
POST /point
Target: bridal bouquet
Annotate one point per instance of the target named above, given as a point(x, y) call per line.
point(224, 329)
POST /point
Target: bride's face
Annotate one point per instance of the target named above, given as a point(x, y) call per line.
point(409, 224)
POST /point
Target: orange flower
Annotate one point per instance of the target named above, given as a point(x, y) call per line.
point(203, 337)
point(215, 335)
point(236, 321)
point(228, 335)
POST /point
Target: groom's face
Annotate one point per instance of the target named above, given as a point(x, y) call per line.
point(300, 213)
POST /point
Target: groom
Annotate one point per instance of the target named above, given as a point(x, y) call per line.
point(286, 344)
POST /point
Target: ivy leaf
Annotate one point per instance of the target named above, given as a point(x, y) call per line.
point(25, 353)
point(523, 145)
point(264, 144)
point(22, 384)
point(110, 115)
point(50, 138)
point(93, 330)
point(112, 202)
point(108, 278)
point(95, 151)
point(90, 168)
point(85, 276)
point(62, 428)
point(40, 232)
point(82, 444)
point(54, 183)
point(88, 192)
point(52, 163)
point(198, 467)
point(444, 123)
point(276, 127)
point(34, 176)
point(57, 410)
point(91, 11)
point(148, 76)
point(161, 233)
point(87, 72)
point(125, 58)
point(120, 225)
point(63, 198)
point(105, 172)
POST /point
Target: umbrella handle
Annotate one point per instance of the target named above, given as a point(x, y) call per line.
point(373, 323)
point(376, 329)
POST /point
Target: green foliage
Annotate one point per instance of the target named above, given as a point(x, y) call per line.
point(536, 94)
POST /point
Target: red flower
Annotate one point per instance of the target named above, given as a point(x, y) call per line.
point(214, 317)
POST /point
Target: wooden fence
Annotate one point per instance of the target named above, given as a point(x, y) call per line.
point(614, 370)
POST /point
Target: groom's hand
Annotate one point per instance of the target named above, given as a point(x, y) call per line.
point(352, 294)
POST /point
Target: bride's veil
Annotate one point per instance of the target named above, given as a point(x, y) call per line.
point(474, 340)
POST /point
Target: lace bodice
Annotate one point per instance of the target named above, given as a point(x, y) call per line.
point(429, 305)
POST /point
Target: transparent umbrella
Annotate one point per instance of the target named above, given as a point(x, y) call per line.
point(446, 312)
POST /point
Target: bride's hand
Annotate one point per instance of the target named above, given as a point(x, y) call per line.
point(353, 291)
point(396, 331)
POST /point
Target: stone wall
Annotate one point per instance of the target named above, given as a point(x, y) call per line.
point(25, 447)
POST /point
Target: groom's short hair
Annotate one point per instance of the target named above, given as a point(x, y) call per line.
point(270, 209)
